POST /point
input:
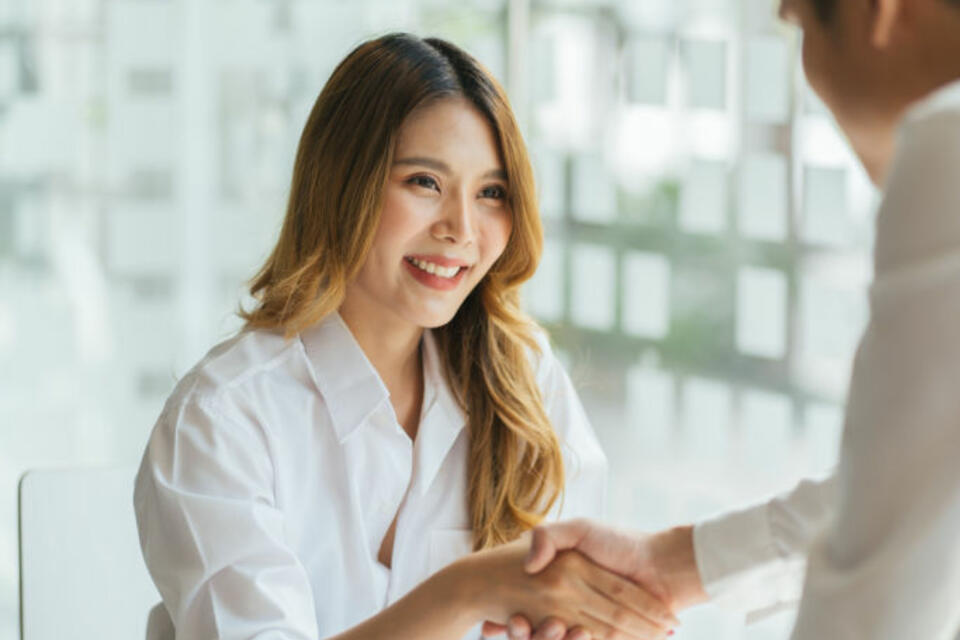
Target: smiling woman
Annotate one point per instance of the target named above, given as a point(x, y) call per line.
point(359, 206)
point(445, 218)
point(388, 408)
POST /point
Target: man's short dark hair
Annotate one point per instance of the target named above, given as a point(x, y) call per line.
point(825, 8)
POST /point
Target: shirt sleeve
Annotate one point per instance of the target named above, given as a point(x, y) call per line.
point(212, 534)
point(753, 561)
point(585, 465)
point(889, 566)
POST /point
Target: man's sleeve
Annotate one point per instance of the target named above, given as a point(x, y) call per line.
point(889, 566)
point(752, 561)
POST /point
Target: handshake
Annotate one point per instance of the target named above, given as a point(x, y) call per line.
point(662, 564)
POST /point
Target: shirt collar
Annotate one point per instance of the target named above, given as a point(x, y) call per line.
point(350, 386)
point(946, 97)
point(441, 419)
point(437, 393)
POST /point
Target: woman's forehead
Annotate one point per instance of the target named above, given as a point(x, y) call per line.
point(451, 129)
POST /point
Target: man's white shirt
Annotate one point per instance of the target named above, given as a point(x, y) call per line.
point(277, 466)
point(880, 542)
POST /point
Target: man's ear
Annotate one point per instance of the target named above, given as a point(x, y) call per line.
point(885, 17)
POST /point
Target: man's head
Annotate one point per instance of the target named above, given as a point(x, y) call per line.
point(869, 60)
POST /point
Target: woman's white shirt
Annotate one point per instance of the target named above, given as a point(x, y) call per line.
point(277, 466)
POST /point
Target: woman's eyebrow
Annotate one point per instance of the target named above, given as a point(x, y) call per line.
point(432, 163)
point(443, 167)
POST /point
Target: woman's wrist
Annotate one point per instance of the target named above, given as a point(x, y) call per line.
point(443, 606)
point(461, 585)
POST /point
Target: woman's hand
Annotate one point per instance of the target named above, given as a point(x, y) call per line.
point(572, 589)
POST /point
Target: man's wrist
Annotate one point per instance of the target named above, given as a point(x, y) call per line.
point(676, 562)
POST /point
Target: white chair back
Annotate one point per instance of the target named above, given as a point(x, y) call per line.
point(81, 572)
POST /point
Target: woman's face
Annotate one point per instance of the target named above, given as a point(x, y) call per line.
point(445, 218)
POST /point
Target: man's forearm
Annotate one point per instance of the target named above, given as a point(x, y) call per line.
point(676, 564)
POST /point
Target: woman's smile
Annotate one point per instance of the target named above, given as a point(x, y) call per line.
point(445, 219)
point(434, 275)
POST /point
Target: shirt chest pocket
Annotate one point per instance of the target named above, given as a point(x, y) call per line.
point(448, 545)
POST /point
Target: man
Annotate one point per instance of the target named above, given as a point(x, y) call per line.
point(881, 541)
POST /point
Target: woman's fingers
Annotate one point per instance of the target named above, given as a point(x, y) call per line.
point(608, 597)
point(622, 627)
point(640, 600)
point(620, 623)
point(608, 600)
point(606, 605)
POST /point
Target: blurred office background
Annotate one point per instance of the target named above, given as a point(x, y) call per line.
point(708, 233)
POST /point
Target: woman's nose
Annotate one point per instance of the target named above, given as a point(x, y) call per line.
point(456, 225)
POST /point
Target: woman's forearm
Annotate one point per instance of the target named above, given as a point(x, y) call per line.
point(492, 585)
point(440, 608)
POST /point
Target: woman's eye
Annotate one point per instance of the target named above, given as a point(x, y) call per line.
point(496, 192)
point(424, 181)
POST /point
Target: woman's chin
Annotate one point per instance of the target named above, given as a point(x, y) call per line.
point(434, 319)
point(437, 322)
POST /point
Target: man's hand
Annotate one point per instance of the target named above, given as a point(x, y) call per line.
point(519, 628)
point(663, 563)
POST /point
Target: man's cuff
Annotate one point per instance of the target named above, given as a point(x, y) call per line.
point(740, 566)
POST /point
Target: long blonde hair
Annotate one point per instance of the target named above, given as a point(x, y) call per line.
point(346, 150)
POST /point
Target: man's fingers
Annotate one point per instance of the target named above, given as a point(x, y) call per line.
point(518, 628)
point(577, 633)
point(550, 629)
point(552, 538)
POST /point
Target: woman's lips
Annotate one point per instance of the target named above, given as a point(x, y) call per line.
point(438, 260)
point(433, 280)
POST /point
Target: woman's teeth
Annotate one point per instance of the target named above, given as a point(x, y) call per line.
point(437, 270)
